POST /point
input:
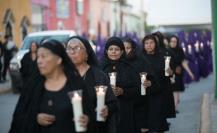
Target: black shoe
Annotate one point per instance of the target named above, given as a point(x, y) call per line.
point(177, 112)
point(169, 124)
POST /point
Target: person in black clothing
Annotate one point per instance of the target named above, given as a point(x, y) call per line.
point(140, 64)
point(82, 55)
point(126, 86)
point(179, 59)
point(1, 54)
point(156, 100)
point(166, 51)
point(45, 106)
point(8, 49)
point(29, 63)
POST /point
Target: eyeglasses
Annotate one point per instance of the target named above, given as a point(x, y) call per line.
point(74, 50)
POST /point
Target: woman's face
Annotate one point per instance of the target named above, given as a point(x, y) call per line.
point(77, 52)
point(33, 47)
point(173, 42)
point(149, 46)
point(47, 61)
point(166, 43)
point(127, 47)
point(114, 52)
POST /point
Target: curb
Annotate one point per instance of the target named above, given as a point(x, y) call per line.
point(205, 114)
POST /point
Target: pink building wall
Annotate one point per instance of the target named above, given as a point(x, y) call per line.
point(70, 22)
point(51, 19)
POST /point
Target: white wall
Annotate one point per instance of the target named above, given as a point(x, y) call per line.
point(164, 12)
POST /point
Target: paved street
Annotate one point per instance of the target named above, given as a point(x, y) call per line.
point(7, 103)
point(187, 120)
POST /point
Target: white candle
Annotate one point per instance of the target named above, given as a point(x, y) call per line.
point(100, 102)
point(113, 79)
point(197, 46)
point(189, 49)
point(143, 78)
point(201, 46)
point(184, 49)
point(78, 112)
point(167, 65)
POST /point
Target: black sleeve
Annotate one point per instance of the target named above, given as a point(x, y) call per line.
point(155, 86)
point(24, 66)
point(130, 84)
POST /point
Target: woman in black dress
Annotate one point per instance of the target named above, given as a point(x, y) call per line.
point(165, 50)
point(156, 100)
point(139, 64)
point(126, 87)
point(179, 61)
point(45, 106)
point(82, 55)
point(29, 63)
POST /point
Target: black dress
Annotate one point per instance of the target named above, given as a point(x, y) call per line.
point(156, 99)
point(61, 109)
point(170, 104)
point(139, 65)
point(179, 57)
point(33, 100)
point(125, 80)
point(28, 68)
point(92, 78)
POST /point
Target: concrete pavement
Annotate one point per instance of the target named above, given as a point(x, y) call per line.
point(5, 87)
point(188, 120)
point(213, 114)
point(7, 103)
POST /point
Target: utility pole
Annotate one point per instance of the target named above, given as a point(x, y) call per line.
point(214, 36)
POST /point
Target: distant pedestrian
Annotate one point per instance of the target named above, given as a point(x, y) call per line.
point(29, 63)
point(8, 49)
point(1, 65)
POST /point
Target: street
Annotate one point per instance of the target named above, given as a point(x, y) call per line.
point(187, 120)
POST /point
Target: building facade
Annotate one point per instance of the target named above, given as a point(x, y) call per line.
point(15, 19)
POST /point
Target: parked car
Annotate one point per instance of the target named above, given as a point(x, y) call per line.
point(15, 63)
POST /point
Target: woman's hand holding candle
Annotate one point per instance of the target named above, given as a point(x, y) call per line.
point(44, 119)
point(147, 83)
point(84, 120)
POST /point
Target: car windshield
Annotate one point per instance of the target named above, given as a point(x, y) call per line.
point(28, 40)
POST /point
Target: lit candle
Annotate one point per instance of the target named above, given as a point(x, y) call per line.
point(197, 46)
point(167, 65)
point(143, 78)
point(100, 92)
point(78, 112)
point(184, 49)
point(208, 43)
point(189, 49)
point(112, 78)
point(201, 46)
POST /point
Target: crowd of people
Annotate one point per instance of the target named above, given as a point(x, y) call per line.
point(51, 70)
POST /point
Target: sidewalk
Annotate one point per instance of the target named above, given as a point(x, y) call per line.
point(6, 86)
point(213, 114)
point(208, 114)
point(189, 118)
